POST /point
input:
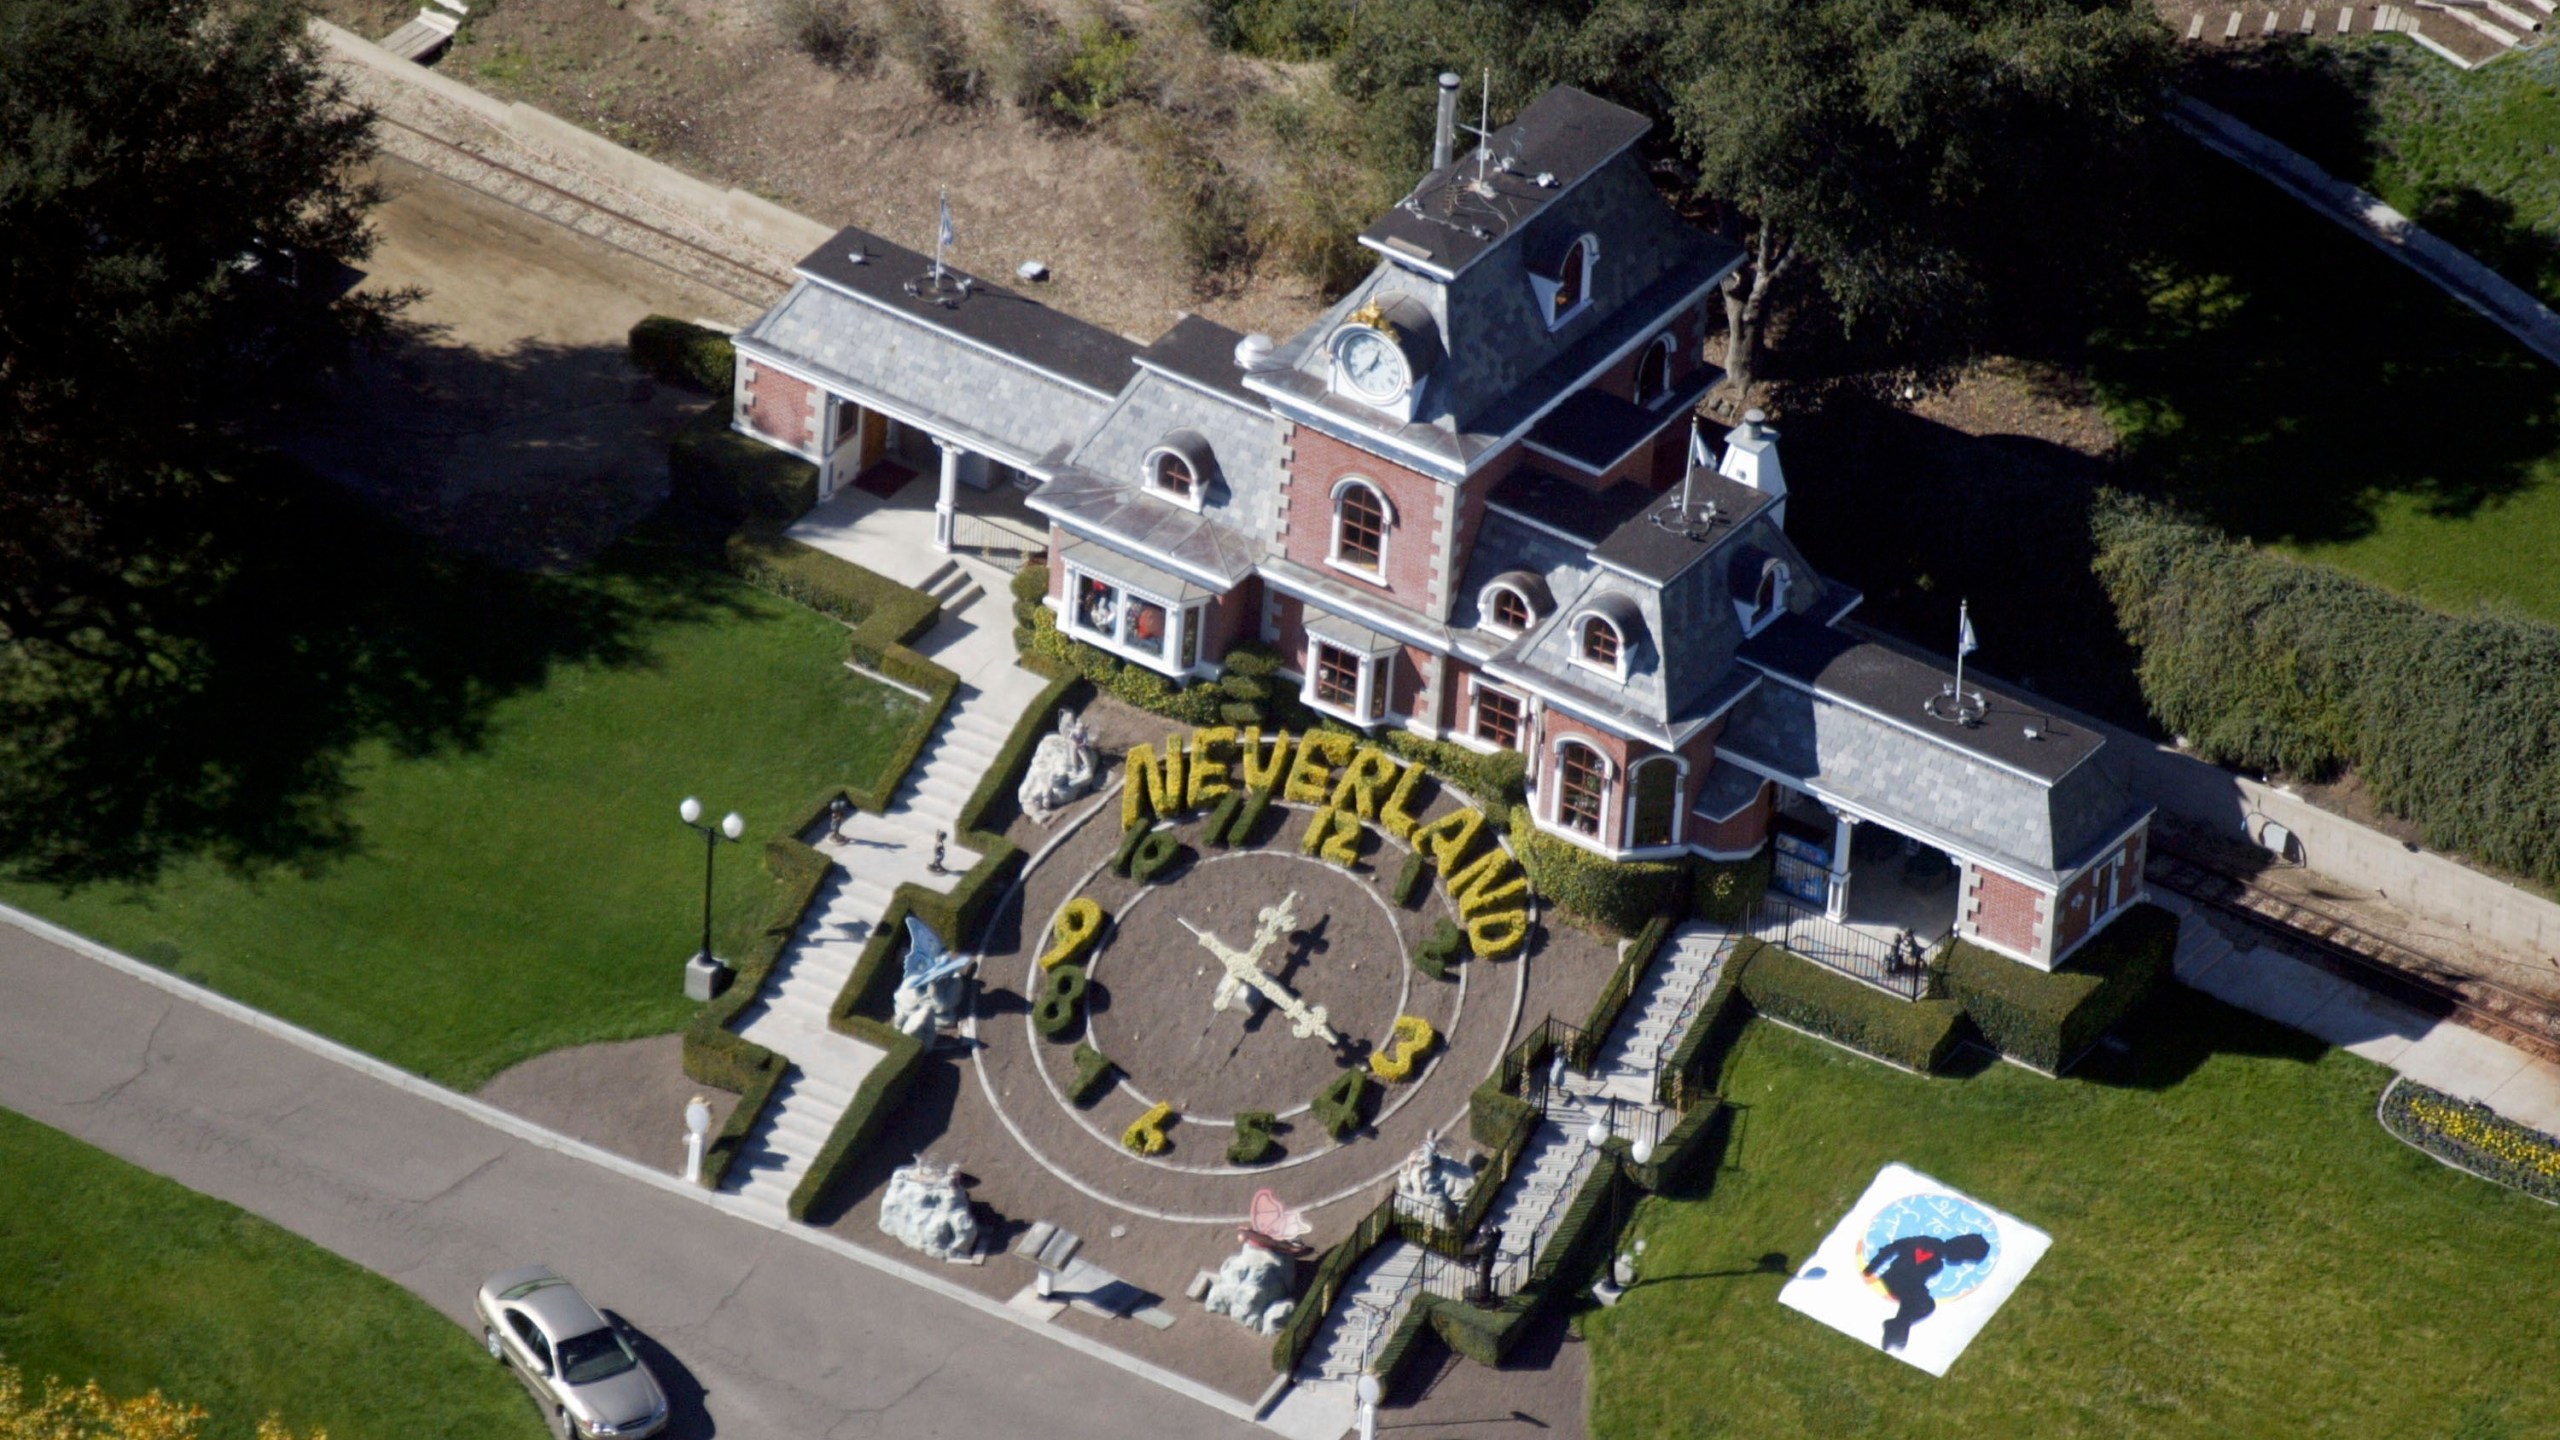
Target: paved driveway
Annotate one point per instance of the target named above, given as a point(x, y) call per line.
point(764, 1333)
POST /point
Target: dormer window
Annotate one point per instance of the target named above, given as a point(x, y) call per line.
point(1506, 610)
point(1173, 475)
point(1653, 372)
point(1601, 644)
point(1564, 289)
point(1179, 467)
point(1771, 597)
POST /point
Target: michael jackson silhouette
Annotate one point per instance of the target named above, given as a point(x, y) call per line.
point(1908, 1265)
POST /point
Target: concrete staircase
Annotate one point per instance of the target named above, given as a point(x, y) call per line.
point(1659, 1014)
point(955, 587)
point(1371, 1305)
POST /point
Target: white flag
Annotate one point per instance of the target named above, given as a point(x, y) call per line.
point(1964, 631)
point(946, 236)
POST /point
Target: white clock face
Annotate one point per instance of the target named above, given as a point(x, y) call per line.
point(1371, 363)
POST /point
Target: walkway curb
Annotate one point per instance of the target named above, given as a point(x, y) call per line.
point(525, 1130)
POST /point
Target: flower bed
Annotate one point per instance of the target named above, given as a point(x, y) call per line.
point(2470, 1135)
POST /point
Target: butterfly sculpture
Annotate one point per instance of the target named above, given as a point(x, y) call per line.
point(1274, 1226)
point(928, 959)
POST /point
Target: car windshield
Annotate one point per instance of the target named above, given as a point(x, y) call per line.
point(596, 1355)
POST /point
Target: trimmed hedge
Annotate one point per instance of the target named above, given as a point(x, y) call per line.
point(1154, 854)
point(719, 479)
point(1249, 819)
point(1440, 949)
point(2050, 1020)
point(1496, 782)
point(883, 613)
point(1914, 1033)
point(874, 1101)
point(1061, 1002)
point(1222, 818)
point(1339, 1105)
point(2266, 661)
point(2473, 1136)
point(1093, 1074)
point(1253, 1143)
point(1130, 840)
point(1727, 891)
point(1409, 878)
point(1697, 1062)
point(1613, 997)
point(1619, 894)
point(683, 353)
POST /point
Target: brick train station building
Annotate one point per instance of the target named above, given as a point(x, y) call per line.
point(1472, 501)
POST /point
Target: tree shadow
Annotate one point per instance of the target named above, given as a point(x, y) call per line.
point(221, 714)
point(2278, 376)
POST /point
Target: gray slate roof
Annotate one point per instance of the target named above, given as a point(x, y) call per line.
point(990, 317)
point(1101, 490)
point(1953, 786)
point(989, 402)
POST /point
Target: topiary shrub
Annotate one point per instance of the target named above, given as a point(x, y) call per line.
point(1727, 891)
point(1222, 819)
point(1061, 1002)
point(1409, 878)
point(1339, 1106)
point(2049, 1020)
point(1093, 1075)
point(1155, 853)
point(1785, 986)
point(682, 353)
point(1130, 840)
point(718, 479)
point(1254, 1143)
point(1620, 894)
point(1440, 949)
point(1249, 819)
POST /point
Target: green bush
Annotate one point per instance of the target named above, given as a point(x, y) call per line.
point(1727, 891)
point(2265, 661)
point(1092, 1077)
point(1280, 29)
point(1249, 819)
point(1623, 980)
point(2049, 1020)
point(1495, 782)
point(1223, 818)
point(1914, 1033)
point(1155, 854)
point(716, 1055)
point(1697, 1062)
point(882, 612)
point(1409, 878)
point(1099, 66)
point(1253, 1143)
point(2475, 1137)
point(1339, 1105)
point(1061, 1001)
point(1023, 52)
point(1440, 948)
point(682, 353)
point(718, 479)
point(921, 35)
point(1620, 894)
point(1130, 839)
point(874, 1101)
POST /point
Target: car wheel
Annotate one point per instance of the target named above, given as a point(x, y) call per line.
point(560, 1425)
point(489, 1338)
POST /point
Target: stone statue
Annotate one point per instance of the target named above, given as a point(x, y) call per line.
point(1252, 1287)
point(1063, 769)
point(1432, 1187)
point(928, 995)
point(925, 1209)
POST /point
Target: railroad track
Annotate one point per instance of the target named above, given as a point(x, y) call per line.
point(751, 282)
point(2360, 956)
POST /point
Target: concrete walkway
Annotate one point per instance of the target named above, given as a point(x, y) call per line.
point(764, 1330)
point(974, 640)
point(2224, 958)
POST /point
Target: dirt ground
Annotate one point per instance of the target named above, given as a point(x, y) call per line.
point(627, 1096)
point(503, 417)
point(710, 86)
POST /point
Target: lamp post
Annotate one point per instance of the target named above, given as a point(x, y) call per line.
point(703, 973)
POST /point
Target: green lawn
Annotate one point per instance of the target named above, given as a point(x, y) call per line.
point(2291, 383)
point(109, 1272)
point(513, 878)
point(2238, 1249)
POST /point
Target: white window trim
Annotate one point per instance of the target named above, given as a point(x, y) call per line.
point(1554, 817)
point(1386, 532)
point(1667, 344)
point(1679, 809)
point(1617, 672)
point(1484, 608)
point(1477, 689)
point(1154, 478)
point(1753, 621)
point(1177, 614)
point(1545, 286)
point(1366, 694)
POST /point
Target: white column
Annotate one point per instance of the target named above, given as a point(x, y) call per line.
point(946, 508)
point(1844, 827)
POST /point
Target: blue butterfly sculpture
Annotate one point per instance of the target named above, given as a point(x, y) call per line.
point(928, 959)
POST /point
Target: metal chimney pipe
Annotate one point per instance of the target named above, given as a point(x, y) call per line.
point(1447, 133)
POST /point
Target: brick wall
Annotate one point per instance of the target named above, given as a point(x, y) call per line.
point(1746, 831)
point(1414, 501)
point(2008, 913)
point(782, 408)
point(2085, 900)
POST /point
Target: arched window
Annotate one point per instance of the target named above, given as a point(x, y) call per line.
point(1654, 812)
point(1772, 595)
point(1573, 282)
point(1582, 787)
point(1173, 476)
point(1653, 372)
point(1601, 643)
point(1359, 527)
point(1506, 609)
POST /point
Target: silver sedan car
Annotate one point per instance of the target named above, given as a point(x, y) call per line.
point(581, 1370)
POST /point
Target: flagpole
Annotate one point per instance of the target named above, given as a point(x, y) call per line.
point(1964, 621)
point(941, 226)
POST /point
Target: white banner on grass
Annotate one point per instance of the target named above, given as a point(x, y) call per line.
point(1915, 1269)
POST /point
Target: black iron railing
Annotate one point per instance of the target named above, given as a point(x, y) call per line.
point(1896, 963)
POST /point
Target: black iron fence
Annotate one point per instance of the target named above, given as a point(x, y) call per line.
point(1895, 962)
